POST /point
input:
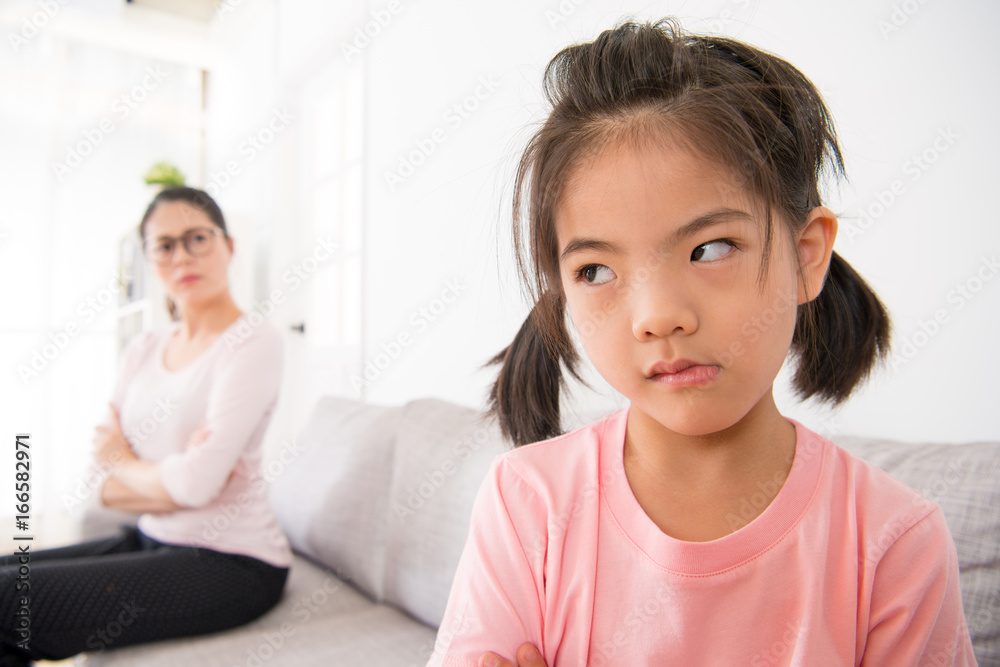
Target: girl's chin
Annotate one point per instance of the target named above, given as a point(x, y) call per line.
point(693, 422)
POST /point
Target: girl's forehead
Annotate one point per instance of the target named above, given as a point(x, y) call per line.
point(645, 183)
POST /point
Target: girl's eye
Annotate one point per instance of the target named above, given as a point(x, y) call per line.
point(595, 274)
point(713, 250)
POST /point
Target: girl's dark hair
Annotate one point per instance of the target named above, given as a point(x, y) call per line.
point(193, 196)
point(733, 104)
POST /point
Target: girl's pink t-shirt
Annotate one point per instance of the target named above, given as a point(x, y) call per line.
point(233, 386)
point(846, 566)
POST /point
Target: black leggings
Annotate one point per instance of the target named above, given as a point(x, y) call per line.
point(128, 590)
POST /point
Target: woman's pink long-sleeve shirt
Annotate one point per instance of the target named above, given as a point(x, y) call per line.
point(233, 385)
point(846, 566)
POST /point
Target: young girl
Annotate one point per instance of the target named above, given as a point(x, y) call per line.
point(673, 209)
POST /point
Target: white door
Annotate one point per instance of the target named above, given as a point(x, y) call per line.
point(315, 252)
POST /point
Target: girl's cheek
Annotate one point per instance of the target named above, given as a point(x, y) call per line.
point(581, 321)
point(595, 323)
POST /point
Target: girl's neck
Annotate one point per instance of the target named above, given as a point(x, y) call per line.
point(207, 319)
point(703, 477)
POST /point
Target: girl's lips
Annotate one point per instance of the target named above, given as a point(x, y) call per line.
point(687, 375)
point(186, 280)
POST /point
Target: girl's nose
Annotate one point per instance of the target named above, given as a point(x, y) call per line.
point(662, 310)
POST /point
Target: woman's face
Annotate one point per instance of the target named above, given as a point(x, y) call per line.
point(189, 279)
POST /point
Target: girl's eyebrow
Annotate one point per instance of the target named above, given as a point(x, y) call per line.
point(577, 245)
point(714, 217)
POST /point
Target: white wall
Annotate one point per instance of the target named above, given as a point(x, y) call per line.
point(901, 78)
point(80, 123)
point(892, 96)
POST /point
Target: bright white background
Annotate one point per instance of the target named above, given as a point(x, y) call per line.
point(896, 76)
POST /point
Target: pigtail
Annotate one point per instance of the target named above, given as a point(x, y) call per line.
point(839, 336)
point(525, 396)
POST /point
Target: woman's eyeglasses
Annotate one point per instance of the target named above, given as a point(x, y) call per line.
point(197, 242)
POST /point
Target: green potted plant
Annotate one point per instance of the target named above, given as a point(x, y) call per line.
point(163, 175)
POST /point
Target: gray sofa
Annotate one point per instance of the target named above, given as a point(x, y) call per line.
point(376, 504)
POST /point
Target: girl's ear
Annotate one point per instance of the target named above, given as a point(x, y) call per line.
point(815, 247)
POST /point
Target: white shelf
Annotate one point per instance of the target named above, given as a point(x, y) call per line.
point(142, 303)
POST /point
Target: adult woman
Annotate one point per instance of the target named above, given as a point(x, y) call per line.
point(182, 445)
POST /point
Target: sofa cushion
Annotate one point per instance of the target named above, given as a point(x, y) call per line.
point(963, 480)
point(320, 621)
point(443, 452)
point(333, 500)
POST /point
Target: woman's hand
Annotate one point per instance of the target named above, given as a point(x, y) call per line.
point(527, 656)
point(133, 485)
point(116, 495)
point(111, 446)
point(199, 436)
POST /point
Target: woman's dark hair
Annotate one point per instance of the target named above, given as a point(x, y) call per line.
point(736, 106)
point(193, 196)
